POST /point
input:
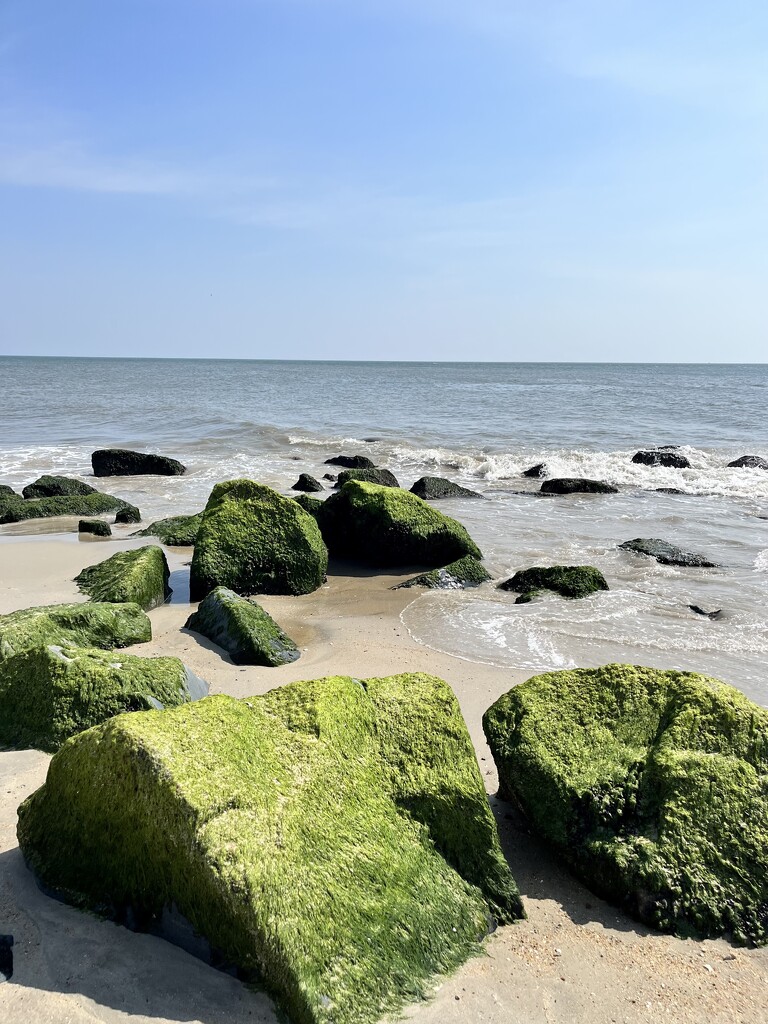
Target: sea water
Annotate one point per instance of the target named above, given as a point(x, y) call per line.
point(480, 424)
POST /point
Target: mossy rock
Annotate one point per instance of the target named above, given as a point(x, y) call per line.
point(175, 532)
point(57, 486)
point(17, 510)
point(81, 625)
point(572, 581)
point(307, 483)
point(332, 838)
point(246, 632)
point(383, 477)
point(140, 575)
point(255, 541)
point(7, 492)
point(123, 462)
point(95, 527)
point(464, 572)
point(433, 488)
point(308, 503)
point(387, 526)
point(50, 692)
point(652, 786)
point(128, 514)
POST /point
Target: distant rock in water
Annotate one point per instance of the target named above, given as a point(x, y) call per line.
point(459, 575)
point(668, 459)
point(129, 514)
point(718, 614)
point(669, 490)
point(330, 476)
point(577, 485)
point(382, 477)
point(122, 462)
point(538, 470)
point(18, 510)
point(56, 487)
point(432, 488)
point(97, 527)
point(667, 554)
point(748, 462)
point(307, 483)
point(139, 575)
point(572, 581)
point(243, 629)
point(351, 462)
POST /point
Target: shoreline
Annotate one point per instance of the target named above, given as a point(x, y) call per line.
point(575, 958)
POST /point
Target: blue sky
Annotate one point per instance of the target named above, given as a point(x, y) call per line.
point(426, 179)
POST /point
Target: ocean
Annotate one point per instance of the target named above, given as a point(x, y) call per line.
point(480, 424)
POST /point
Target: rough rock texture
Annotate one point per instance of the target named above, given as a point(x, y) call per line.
point(350, 462)
point(748, 462)
point(386, 526)
point(464, 572)
point(253, 540)
point(121, 462)
point(566, 580)
point(431, 488)
point(536, 471)
point(7, 492)
point(666, 553)
point(577, 485)
point(140, 575)
point(56, 487)
point(333, 836)
point(97, 527)
point(383, 477)
point(652, 785)
point(669, 459)
point(243, 629)
point(307, 483)
point(176, 532)
point(17, 510)
point(51, 692)
point(309, 504)
point(83, 625)
point(128, 514)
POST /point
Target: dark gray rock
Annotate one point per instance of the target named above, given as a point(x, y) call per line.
point(330, 476)
point(97, 527)
point(748, 462)
point(667, 554)
point(432, 488)
point(56, 487)
point(383, 477)
point(536, 471)
point(128, 514)
point(577, 485)
point(122, 462)
point(351, 462)
point(670, 460)
point(572, 581)
point(307, 483)
point(718, 614)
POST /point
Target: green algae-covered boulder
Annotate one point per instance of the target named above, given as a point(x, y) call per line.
point(332, 837)
point(6, 491)
point(140, 575)
point(94, 527)
point(86, 625)
point(653, 787)
point(178, 531)
point(17, 510)
point(56, 486)
point(128, 514)
point(463, 573)
point(386, 526)
point(308, 503)
point(51, 692)
point(369, 476)
point(571, 581)
point(255, 541)
point(246, 632)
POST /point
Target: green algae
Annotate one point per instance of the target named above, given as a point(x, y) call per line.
point(246, 632)
point(464, 572)
point(308, 503)
point(386, 526)
point(253, 540)
point(332, 836)
point(87, 625)
point(57, 486)
point(17, 510)
point(572, 581)
point(140, 575)
point(95, 527)
point(177, 531)
point(653, 787)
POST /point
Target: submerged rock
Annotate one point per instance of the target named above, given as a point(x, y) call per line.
point(667, 554)
point(57, 487)
point(748, 462)
point(386, 526)
point(572, 581)
point(577, 485)
point(668, 459)
point(17, 510)
point(651, 785)
point(464, 572)
point(332, 837)
point(140, 575)
point(307, 483)
point(243, 629)
point(538, 470)
point(97, 527)
point(350, 462)
point(122, 462)
point(253, 540)
point(128, 514)
point(432, 488)
point(383, 477)
point(718, 614)
point(175, 532)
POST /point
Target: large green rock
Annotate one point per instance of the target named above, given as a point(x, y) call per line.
point(85, 625)
point(573, 581)
point(139, 575)
point(57, 486)
point(17, 510)
point(386, 526)
point(332, 837)
point(246, 632)
point(653, 786)
point(51, 692)
point(178, 531)
point(255, 541)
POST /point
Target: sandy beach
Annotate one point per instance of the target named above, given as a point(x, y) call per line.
point(575, 958)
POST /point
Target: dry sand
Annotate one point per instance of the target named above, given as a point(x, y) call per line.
point(574, 959)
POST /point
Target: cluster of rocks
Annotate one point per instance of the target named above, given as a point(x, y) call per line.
point(61, 496)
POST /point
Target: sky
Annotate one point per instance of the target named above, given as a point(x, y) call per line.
point(385, 179)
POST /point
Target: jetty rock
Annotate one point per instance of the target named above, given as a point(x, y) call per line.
point(538, 470)
point(255, 541)
point(123, 462)
point(128, 514)
point(83, 625)
point(571, 581)
point(243, 629)
point(94, 527)
point(351, 462)
point(17, 509)
point(668, 459)
point(668, 554)
point(651, 785)
point(433, 488)
point(383, 477)
point(577, 485)
point(332, 838)
point(459, 575)
point(139, 576)
point(307, 483)
point(387, 526)
point(7, 492)
point(176, 531)
point(56, 487)
point(749, 462)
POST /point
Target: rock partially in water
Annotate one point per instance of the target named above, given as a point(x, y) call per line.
point(652, 786)
point(18, 510)
point(539, 470)
point(748, 462)
point(307, 483)
point(243, 629)
point(175, 532)
point(351, 462)
point(332, 837)
point(572, 581)
point(128, 514)
point(668, 459)
point(96, 527)
point(57, 487)
point(668, 554)
point(433, 488)
point(382, 477)
point(459, 575)
point(718, 614)
point(577, 485)
point(122, 462)
point(139, 575)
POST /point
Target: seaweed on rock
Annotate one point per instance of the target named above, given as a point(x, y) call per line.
point(243, 629)
point(139, 575)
